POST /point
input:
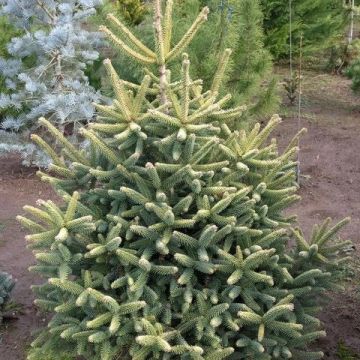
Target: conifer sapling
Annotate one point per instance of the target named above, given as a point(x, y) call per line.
point(7, 284)
point(172, 243)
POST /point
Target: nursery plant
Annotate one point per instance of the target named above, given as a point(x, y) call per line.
point(7, 284)
point(171, 241)
point(8, 31)
point(353, 64)
point(353, 72)
point(231, 23)
point(321, 23)
point(44, 72)
point(133, 11)
point(237, 24)
point(133, 14)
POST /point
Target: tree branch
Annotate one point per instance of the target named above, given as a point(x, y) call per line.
point(161, 53)
point(46, 10)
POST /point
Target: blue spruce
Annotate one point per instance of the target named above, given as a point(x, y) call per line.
point(7, 284)
point(44, 74)
point(172, 242)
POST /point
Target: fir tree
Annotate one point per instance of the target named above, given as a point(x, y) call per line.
point(320, 22)
point(44, 74)
point(172, 242)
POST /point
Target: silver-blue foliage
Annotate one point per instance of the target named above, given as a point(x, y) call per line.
point(45, 73)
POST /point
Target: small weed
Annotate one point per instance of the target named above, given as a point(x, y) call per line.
point(34, 354)
point(14, 307)
point(350, 276)
point(2, 227)
point(291, 87)
point(345, 353)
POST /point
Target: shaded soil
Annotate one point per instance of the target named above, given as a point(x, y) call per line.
point(330, 186)
point(19, 186)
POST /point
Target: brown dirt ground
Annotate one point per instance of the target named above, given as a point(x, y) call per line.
point(330, 167)
point(19, 186)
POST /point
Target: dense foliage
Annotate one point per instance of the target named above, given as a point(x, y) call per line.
point(320, 22)
point(353, 72)
point(353, 54)
point(44, 72)
point(239, 25)
point(231, 23)
point(172, 242)
point(8, 31)
point(133, 11)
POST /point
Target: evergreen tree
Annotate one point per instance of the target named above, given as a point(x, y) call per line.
point(44, 74)
point(353, 72)
point(236, 24)
point(133, 11)
point(321, 22)
point(8, 31)
point(231, 23)
point(172, 242)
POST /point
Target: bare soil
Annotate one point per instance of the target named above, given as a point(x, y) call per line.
point(19, 186)
point(330, 186)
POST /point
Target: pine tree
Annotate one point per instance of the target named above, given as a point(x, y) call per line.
point(7, 284)
point(320, 22)
point(251, 75)
point(172, 242)
point(44, 74)
point(235, 24)
point(133, 11)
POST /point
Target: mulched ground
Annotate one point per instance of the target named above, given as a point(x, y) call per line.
point(330, 168)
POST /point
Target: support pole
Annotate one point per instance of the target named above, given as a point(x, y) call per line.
point(299, 109)
point(351, 31)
